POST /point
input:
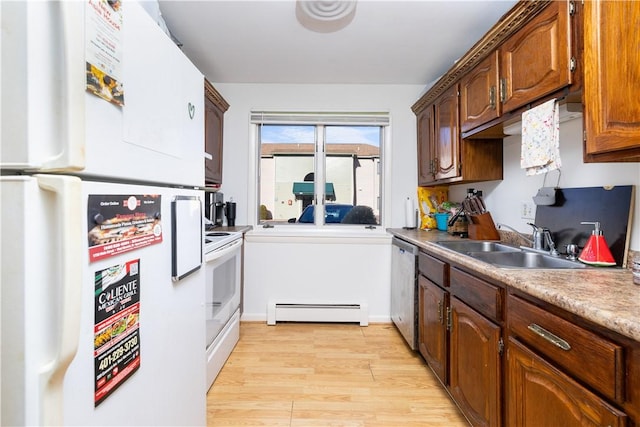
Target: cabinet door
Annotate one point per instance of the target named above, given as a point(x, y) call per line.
point(536, 60)
point(611, 79)
point(479, 94)
point(475, 368)
point(214, 119)
point(540, 395)
point(425, 122)
point(432, 333)
point(215, 107)
point(447, 135)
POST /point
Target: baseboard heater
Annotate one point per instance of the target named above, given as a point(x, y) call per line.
point(314, 312)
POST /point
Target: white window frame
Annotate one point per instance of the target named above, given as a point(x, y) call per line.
point(383, 119)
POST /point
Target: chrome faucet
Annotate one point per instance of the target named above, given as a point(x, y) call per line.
point(550, 243)
point(541, 239)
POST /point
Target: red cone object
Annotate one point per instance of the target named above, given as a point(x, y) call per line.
point(596, 251)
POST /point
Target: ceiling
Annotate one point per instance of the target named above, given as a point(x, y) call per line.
point(387, 42)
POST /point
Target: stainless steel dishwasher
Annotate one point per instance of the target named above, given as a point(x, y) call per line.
point(404, 290)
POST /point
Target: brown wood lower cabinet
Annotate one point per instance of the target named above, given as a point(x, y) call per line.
point(459, 343)
point(540, 395)
point(570, 347)
point(432, 329)
point(558, 369)
point(475, 365)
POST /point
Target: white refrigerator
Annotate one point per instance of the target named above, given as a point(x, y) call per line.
point(102, 304)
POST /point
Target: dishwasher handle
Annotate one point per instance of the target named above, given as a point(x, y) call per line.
point(408, 247)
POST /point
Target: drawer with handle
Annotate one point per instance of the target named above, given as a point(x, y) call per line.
point(588, 357)
point(433, 269)
point(480, 295)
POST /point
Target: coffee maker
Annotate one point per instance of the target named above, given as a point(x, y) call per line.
point(214, 207)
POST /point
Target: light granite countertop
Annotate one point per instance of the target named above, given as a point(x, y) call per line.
point(605, 296)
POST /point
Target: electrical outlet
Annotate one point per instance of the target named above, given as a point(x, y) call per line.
point(527, 210)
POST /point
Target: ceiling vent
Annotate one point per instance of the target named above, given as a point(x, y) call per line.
point(325, 16)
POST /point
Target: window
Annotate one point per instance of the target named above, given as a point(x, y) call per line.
point(322, 169)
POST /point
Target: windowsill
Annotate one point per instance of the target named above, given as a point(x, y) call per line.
point(313, 234)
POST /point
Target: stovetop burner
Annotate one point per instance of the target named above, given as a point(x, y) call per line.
point(216, 239)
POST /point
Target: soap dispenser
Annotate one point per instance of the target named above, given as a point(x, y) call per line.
point(596, 251)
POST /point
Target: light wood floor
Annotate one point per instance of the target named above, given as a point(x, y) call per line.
point(312, 374)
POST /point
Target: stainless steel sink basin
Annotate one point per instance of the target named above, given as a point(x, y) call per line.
point(523, 259)
point(465, 246)
point(507, 256)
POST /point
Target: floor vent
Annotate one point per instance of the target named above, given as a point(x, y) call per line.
point(314, 312)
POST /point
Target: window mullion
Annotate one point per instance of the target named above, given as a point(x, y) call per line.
point(319, 186)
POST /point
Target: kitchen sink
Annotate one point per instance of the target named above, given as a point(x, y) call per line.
point(507, 256)
point(523, 259)
point(464, 246)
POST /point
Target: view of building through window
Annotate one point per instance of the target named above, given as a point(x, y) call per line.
point(300, 165)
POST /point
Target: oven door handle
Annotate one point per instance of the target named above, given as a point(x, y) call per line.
point(219, 253)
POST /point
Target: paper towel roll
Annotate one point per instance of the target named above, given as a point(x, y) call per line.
point(409, 213)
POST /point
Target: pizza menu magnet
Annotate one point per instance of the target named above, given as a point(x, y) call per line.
point(121, 223)
point(104, 49)
point(116, 344)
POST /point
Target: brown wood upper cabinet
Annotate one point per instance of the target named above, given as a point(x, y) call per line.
point(426, 142)
point(447, 135)
point(215, 107)
point(611, 80)
point(443, 157)
point(537, 60)
point(439, 139)
point(479, 94)
point(586, 50)
point(533, 62)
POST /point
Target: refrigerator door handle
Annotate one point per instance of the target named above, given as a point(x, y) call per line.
point(67, 192)
point(72, 68)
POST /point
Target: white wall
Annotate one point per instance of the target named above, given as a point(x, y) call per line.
point(323, 269)
point(503, 198)
point(317, 270)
